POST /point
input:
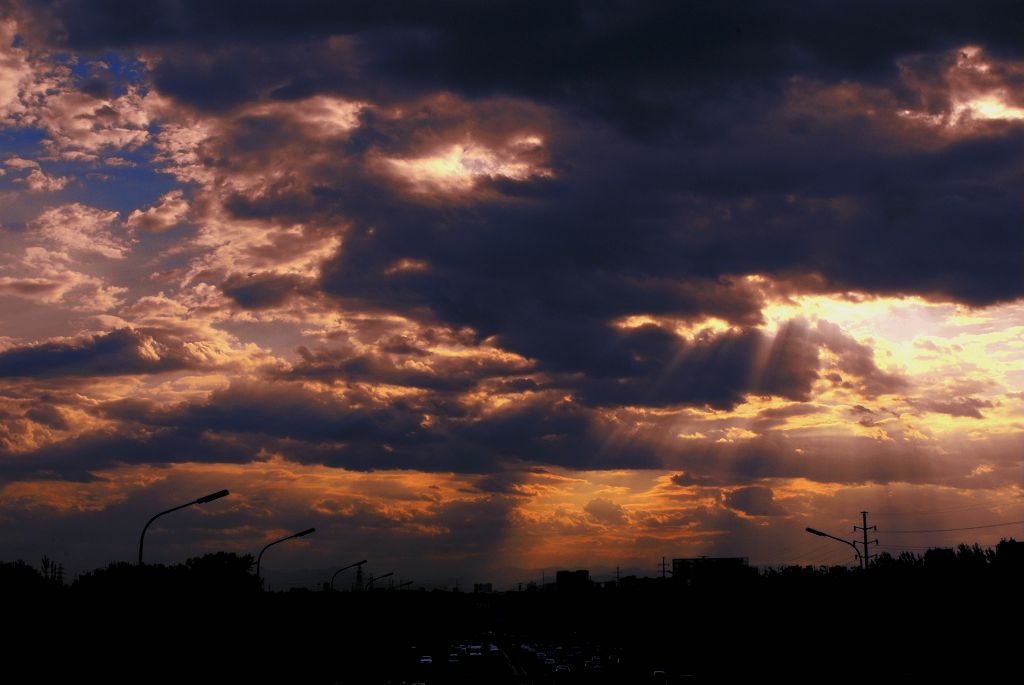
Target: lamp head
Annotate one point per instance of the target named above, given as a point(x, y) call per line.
point(212, 496)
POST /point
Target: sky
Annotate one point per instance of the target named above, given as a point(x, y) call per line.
point(481, 289)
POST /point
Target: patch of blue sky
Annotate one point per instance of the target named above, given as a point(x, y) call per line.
point(121, 188)
point(121, 71)
point(17, 141)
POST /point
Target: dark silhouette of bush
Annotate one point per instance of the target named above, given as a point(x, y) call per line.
point(1010, 555)
point(217, 573)
point(18, 578)
point(222, 572)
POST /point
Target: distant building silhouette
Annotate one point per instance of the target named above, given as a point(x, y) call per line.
point(630, 582)
point(483, 587)
point(700, 570)
point(572, 581)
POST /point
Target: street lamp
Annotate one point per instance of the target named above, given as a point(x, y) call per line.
point(358, 563)
point(202, 500)
point(826, 535)
point(369, 583)
point(287, 537)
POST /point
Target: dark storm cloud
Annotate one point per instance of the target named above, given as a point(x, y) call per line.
point(557, 433)
point(502, 483)
point(852, 460)
point(124, 351)
point(778, 414)
point(603, 510)
point(49, 416)
point(655, 367)
point(635, 61)
point(448, 374)
point(682, 150)
point(687, 479)
point(755, 500)
point(586, 288)
point(721, 158)
point(78, 459)
point(247, 420)
point(955, 406)
point(288, 411)
point(547, 276)
point(854, 206)
point(261, 291)
point(859, 360)
point(250, 421)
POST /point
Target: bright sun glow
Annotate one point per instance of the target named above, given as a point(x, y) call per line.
point(459, 166)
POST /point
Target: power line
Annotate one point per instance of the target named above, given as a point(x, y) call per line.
point(813, 554)
point(786, 553)
point(919, 512)
point(823, 553)
point(836, 556)
point(829, 554)
point(950, 530)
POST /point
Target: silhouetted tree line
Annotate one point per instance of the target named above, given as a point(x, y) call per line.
point(226, 572)
point(1007, 557)
point(168, 623)
point(219, 573)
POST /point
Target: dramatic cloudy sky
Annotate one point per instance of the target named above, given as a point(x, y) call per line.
point(483, 288)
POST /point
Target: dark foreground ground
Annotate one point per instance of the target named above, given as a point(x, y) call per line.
point(813, 627)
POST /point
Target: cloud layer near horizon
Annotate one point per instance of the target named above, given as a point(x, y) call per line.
point(741, 256)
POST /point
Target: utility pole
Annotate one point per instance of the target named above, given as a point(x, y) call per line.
point(663, 568)
point(865, 557)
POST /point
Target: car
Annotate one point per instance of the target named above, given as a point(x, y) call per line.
point(426, 659)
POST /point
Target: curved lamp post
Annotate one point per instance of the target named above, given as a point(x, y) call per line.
point(369, 583)
point(287, 537)
point(202, 500)
point(358, 563)
point(826, 535)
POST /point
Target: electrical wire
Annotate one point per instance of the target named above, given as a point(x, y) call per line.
point(813, 554)
point(921, 512)
point(838, 555)
point(786, 552)
point(826, 553)
point(950, 530)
